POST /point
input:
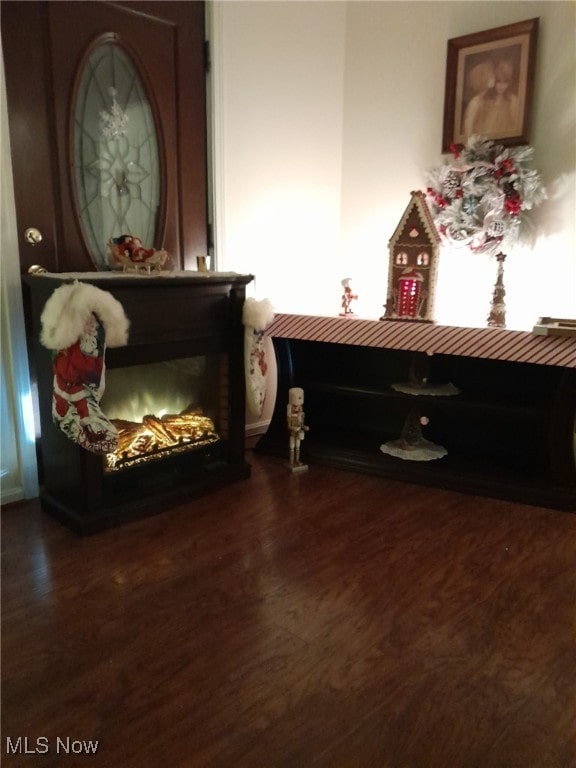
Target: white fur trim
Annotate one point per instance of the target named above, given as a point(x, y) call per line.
point(67, 311)
point(257, 314)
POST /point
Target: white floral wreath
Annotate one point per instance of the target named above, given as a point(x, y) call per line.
point(479, 201)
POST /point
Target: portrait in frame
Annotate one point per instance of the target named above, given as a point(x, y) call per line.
point(490, 84)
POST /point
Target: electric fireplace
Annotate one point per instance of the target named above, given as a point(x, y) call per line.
point(175, 394)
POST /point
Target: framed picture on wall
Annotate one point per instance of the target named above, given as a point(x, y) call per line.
point(489, 85)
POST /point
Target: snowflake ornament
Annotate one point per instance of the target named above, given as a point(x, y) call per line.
point(114, 123)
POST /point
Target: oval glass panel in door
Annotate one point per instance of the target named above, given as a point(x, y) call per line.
point(115, 150)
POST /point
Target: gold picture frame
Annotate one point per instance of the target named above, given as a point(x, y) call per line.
point(490, 84)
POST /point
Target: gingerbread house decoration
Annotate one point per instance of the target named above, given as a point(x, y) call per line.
point(413, 250)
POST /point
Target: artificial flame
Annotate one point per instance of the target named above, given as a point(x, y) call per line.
point(158, 436)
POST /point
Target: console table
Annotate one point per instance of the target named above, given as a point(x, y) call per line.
point(507, 425)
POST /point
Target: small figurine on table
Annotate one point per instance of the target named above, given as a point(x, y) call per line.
point(128, 254)
point(296, 427)
point(347, 297)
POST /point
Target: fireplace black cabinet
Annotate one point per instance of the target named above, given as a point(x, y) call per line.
point(509, 432)
point(172, 318)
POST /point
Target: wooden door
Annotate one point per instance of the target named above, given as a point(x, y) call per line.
point(45, 45)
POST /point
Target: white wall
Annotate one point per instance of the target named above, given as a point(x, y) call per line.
point(330, 115)
point(281, 103)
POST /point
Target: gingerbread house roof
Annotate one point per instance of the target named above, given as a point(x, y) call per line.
point(419, 208)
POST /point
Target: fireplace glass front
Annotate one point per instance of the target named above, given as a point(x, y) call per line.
point(166, 408)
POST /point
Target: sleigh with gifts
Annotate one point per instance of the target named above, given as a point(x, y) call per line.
point(127, 253)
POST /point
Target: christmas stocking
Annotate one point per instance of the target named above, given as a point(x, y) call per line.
point(78, 321)
point(256, 316)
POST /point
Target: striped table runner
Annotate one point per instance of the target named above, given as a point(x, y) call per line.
point(491, 343)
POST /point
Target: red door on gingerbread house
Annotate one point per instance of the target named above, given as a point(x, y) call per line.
point(413, 264)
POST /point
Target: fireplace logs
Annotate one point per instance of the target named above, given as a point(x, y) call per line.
point(158, 437)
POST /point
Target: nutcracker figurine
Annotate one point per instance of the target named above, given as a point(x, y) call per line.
point(296, 427)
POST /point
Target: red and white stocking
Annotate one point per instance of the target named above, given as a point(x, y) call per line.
point(256, 316)
point(78, 321)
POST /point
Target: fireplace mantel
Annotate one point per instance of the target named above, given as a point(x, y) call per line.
point(142, 278)
point(173, 316)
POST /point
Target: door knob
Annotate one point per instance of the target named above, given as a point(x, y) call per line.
point(32, 235)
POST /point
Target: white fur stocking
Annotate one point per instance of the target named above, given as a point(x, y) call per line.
point(257, 315)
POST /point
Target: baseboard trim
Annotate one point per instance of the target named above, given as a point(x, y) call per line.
point(257, 428)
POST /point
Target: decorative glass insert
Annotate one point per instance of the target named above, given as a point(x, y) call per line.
point(116, 164)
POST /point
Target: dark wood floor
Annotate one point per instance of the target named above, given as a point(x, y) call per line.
point(325, 619)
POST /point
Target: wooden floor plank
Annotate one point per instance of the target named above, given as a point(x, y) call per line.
point(327, 619)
